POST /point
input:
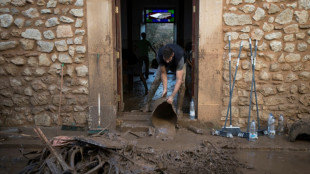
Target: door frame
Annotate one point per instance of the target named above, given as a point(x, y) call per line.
point(118, 47)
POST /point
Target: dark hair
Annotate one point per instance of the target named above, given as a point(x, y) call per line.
point(167, 52)
point(143, 35)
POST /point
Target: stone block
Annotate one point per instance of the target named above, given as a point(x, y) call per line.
point(293, 28)
point(19, 22)
point(44, 46)
point(291, 77)
point(259, 14)
point(64, 58)
point(273, 9)
point(31, 33)
point(302, 46)
point(51, 4)
point(49, 34)
point(81, 71)
point(79, 3)
point(275, 35)
point(44, 60)
point(42, 119)
point(64, 31)
point(7, 45)
point(65, 2)
point(232, 19)
point(77, 12)
point(78, 23)
point(61, 45)
point(31, 13)
point(289, 47)
point(302, 16)
point(6, 20)
point(27, 44)
point(292, 57)
point(52, 22)
point(18, 3)
point(66, 19)
point(18, 61)
point(285, 17)
point(276, 46)
point(247, 8)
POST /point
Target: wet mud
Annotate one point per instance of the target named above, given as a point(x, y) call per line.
point(113, 154)
point(275, 162)
point(188, 152)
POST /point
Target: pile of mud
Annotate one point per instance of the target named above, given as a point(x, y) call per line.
point(110, 153)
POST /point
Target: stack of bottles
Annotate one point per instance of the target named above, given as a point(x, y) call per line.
point(271, 126)
point(271, 131)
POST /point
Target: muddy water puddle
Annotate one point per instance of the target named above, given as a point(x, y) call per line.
point(274, 162)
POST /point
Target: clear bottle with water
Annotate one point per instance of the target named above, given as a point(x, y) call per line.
point(253, 132)
point(270, 117)
point(280, 130)
point(229, 135)
point(272, 130)
point(192, 110)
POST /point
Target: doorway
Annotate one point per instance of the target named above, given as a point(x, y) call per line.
point(133, 24)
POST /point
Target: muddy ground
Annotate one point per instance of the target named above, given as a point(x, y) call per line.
point(186, 152)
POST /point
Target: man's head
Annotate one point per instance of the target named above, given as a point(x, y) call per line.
point(168, 54)
point(143, 35)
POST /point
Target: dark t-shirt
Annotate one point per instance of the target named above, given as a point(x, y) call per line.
point(177, 61)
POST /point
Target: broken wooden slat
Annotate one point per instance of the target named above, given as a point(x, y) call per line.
point(59, 157)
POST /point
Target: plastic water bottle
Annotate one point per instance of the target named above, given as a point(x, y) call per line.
point(280, 125)
point(192, 110)
point(270, 117)
point(272, 130)
point(229, 135)
point(215, 132)
point(253, 133)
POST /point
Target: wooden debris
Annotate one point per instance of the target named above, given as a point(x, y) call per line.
point(195, 130)
point(59, 157)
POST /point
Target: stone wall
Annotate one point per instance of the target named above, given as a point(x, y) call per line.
point(282, 28)
point(37, 37)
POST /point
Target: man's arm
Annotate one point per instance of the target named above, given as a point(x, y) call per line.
point(163, 75)
point(178, 83)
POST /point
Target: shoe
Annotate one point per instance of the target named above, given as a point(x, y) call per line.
point(146, 108)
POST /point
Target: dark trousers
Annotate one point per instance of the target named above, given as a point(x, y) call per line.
point(146, 61)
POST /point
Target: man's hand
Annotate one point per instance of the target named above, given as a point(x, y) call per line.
point(170, 100)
